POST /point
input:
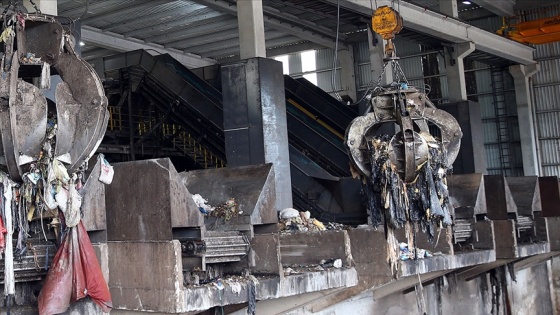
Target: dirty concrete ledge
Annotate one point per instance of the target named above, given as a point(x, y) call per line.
point(205, 297)
point(446, 262)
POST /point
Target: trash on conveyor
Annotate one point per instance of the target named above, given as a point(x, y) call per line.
point(227, 210)
point(323, 265)
point(292, 220)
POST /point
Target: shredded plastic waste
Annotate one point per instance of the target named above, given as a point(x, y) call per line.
point(324, 264)
point(227, 210)
point(292, 220)
point(413, 253)
point(202, 204)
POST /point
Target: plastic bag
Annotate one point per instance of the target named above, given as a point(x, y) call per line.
point(74, 274)
point(107, 172)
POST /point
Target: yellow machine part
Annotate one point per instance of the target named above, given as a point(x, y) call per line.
point(541, 31)
point(386, 22)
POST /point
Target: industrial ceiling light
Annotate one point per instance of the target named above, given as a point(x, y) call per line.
point(467, 2)
point(82, 43)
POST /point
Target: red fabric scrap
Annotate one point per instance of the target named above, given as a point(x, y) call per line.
point(75, 273)
point(2, 232)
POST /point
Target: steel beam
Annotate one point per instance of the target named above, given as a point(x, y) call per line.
point(119, 43)
point(185, 9)
point(501, 7)
point(216, 25)
point(180, 24)
point(96, 53)
point(287, 27)
point(235, 49)
point(125, 11)
point(446, 28)
point(204, 39)
point(231, 41)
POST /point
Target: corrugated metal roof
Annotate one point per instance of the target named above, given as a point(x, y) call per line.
point(188, 25)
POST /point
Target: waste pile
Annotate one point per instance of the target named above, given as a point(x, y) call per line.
point(292, 220)
point(425, 200)
point(420, 205)
point(413, 253)
point(226, 210)
point(321, 266)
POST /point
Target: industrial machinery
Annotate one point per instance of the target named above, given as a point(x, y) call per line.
point(405, 174)
point(38, 135)
point(541, 31)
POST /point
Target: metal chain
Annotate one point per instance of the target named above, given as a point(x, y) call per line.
point(35, 6)
point(378, 83)
point(11, 4)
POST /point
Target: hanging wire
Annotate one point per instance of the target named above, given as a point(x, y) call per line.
point(333, 72)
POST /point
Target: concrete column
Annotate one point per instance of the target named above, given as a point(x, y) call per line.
point(45, 6)
point(255, 124)
point(455, 70)
point(449, 7)
point(376, 55)
point(521, 76)
point(251, 29)
point(347, 74)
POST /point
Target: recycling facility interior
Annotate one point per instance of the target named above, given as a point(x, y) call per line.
point(238, 189)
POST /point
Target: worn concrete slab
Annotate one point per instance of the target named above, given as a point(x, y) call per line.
point(162, 290)
point(311, 248)
point(265, 254)
point(146, 276)
point(93, 201)
point(204, 297)
point(146, 200)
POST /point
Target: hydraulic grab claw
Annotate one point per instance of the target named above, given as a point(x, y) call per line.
point(32, 45)
point(408, 149)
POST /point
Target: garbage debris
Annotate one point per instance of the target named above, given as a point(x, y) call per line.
point(45, 149)
point(292, 220)
point(413, 253)
point(202, 204)
point(323, 265)
point(288, 213)
point(425, 200)
point(227, 210)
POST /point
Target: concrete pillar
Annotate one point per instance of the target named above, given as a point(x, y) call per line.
point(521, 76)
point(255, 124)
point(251, 29)
point(45, 6)
point(455, 70)
point(376, 55)
point(347, 74)
point(449, 7)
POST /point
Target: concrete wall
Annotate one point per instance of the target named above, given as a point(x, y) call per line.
point(531, 294)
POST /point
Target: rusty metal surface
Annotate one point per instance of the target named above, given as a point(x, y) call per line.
point(81, 109)
point(526, 194)
point(28, 116)
point(93, 202)
point(252, 187)
point(467, 191)
point(81, 88)
point(40, 38)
